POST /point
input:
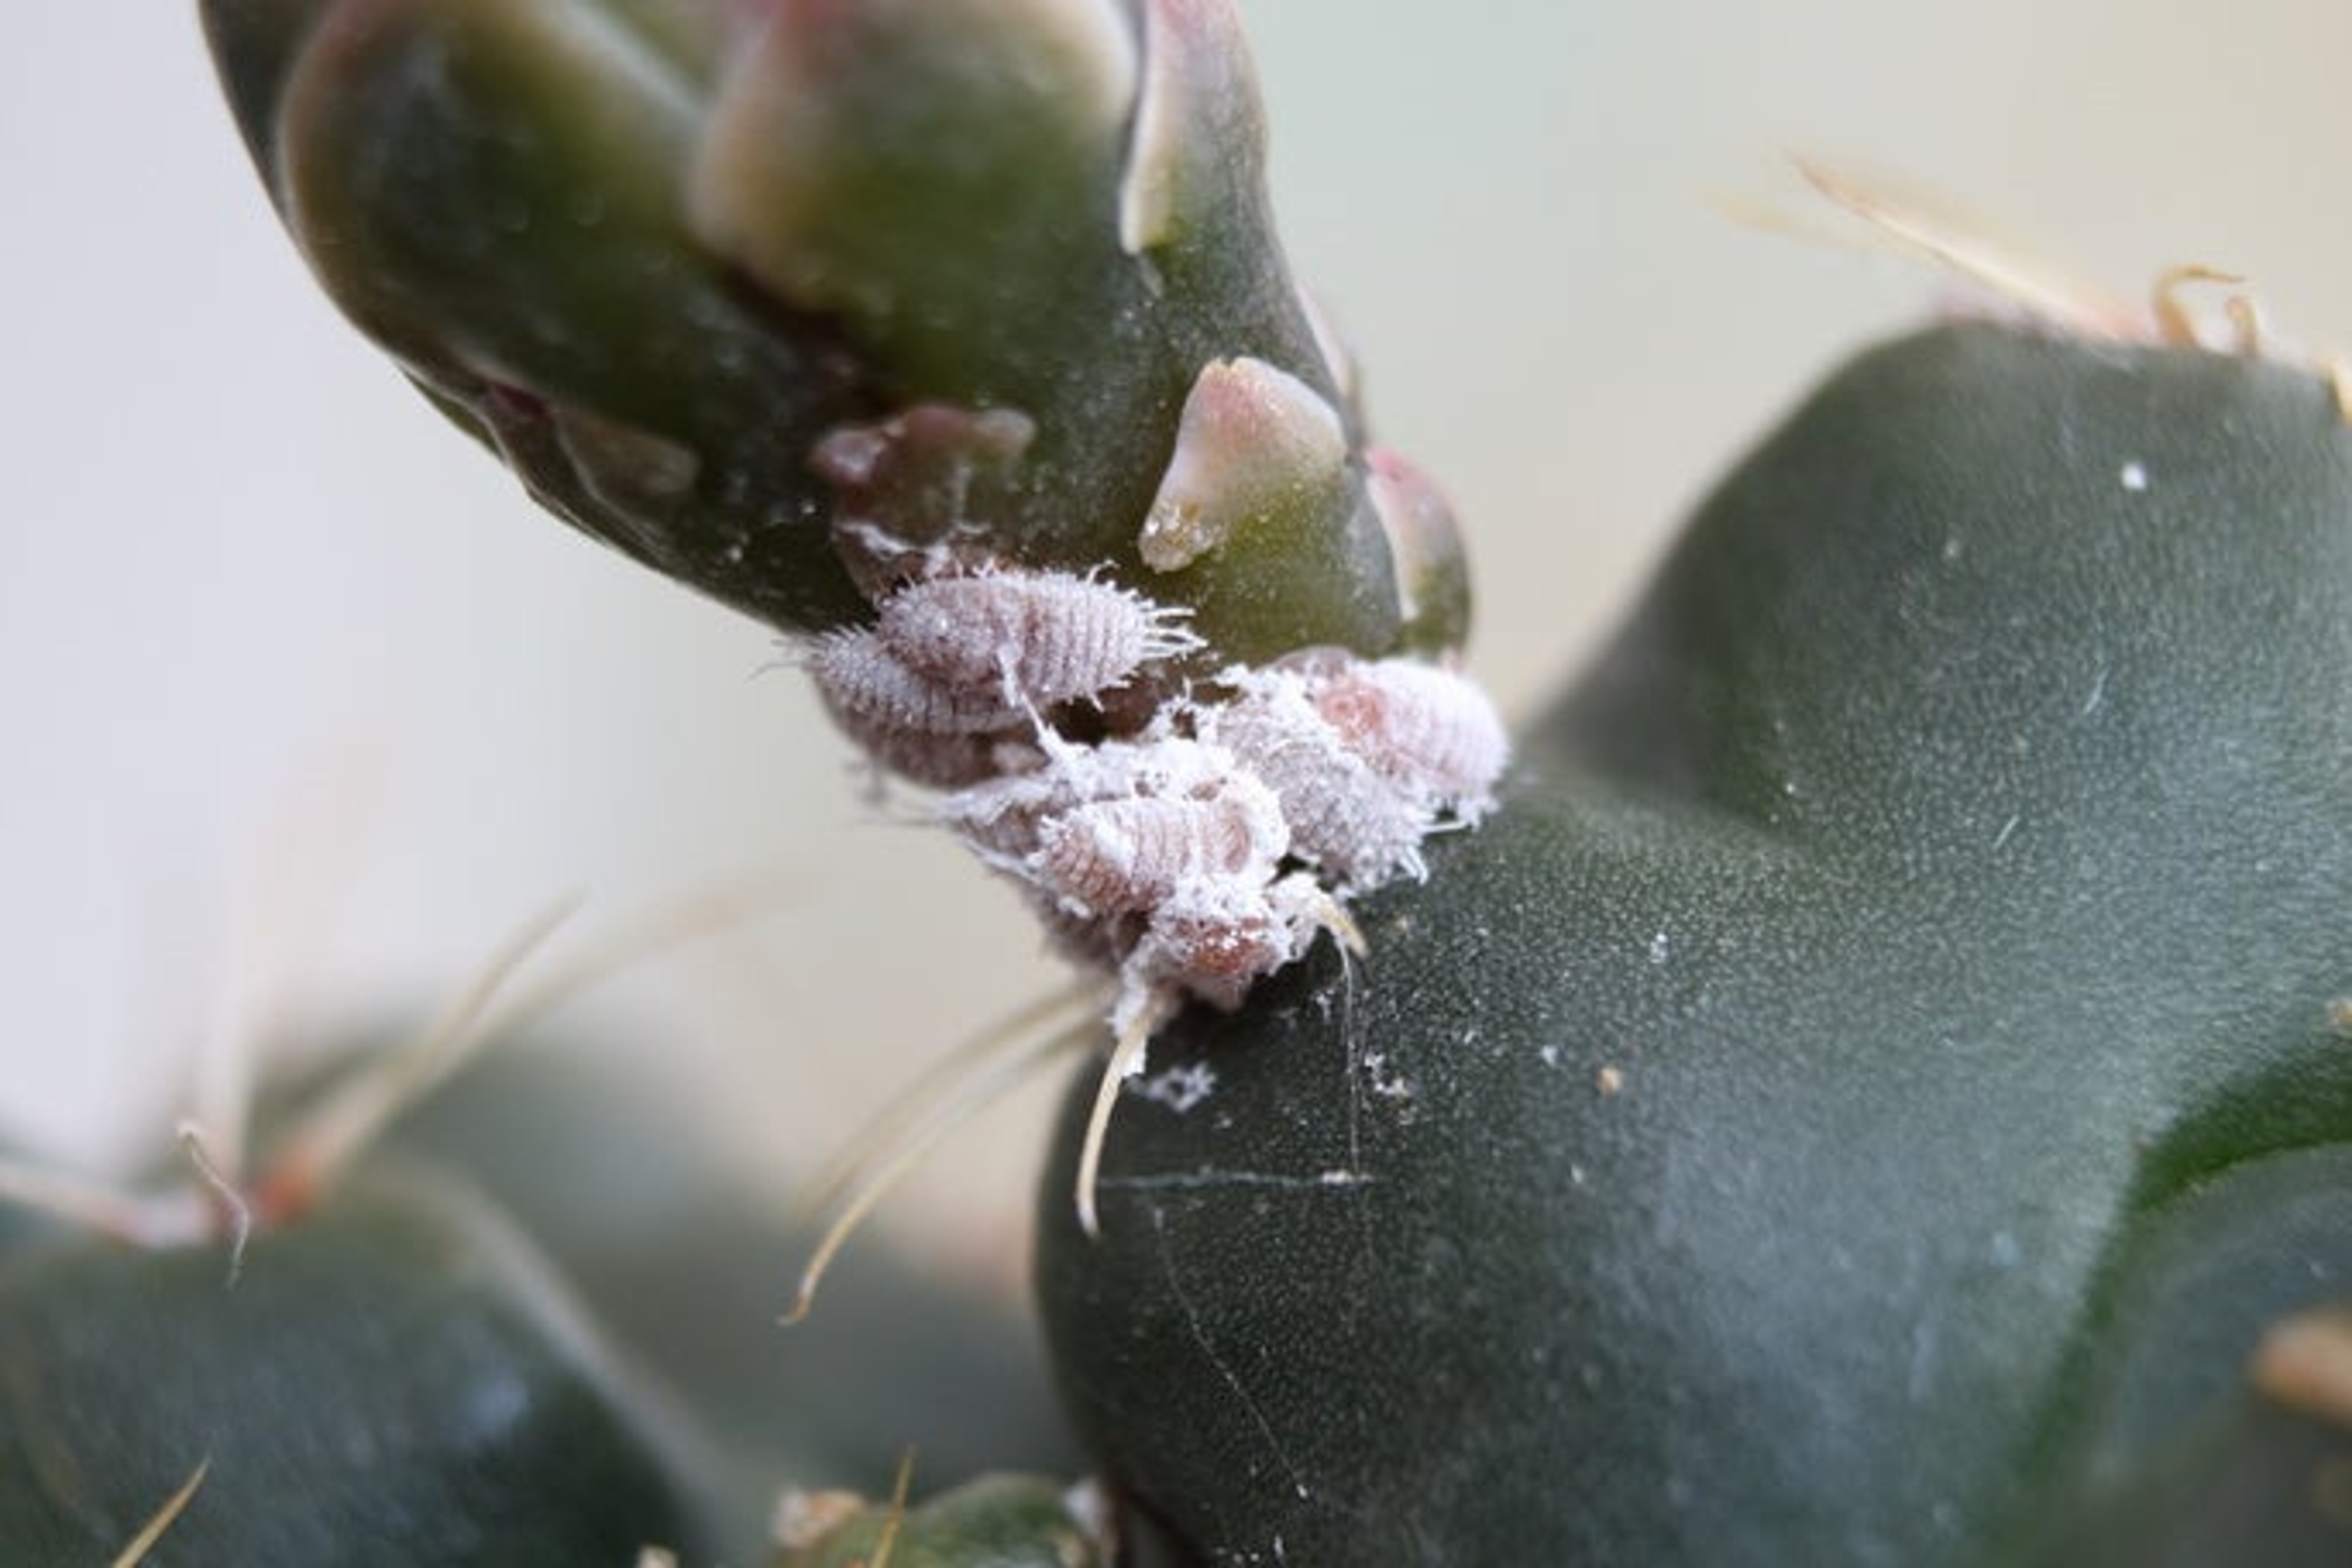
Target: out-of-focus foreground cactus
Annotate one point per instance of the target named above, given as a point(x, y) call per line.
point(387, 1375)
point(1876, 1090)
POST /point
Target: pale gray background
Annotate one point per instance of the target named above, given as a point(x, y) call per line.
point(252, 583)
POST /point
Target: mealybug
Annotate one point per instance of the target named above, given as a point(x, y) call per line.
point(1040, 638)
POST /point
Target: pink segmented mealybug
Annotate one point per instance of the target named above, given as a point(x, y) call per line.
point(859, 677)
point(1428, 730)
point(1039, 637)
point(1348, 820)
point(1131, 855)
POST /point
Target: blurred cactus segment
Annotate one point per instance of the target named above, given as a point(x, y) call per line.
point(658, 252)
point(2209, 1412)
point(995, 1521)
point(398, 1379)
point(2253, 1485)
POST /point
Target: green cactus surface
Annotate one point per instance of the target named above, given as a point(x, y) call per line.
point(743, 290)
point(395, 1379)
point(1862, 1098)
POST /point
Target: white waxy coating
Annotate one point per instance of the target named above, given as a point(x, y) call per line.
point(1345, 819)
point(1201, 852)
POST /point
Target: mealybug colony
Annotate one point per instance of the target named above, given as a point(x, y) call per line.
point(1188, 838)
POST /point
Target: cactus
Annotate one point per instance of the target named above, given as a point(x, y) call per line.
point(323, 1353)
point(469, 1311)
point(395, 1377)
point(1087, 596)
point(1786, 1130)
point(1868, 1086)
point(732, 292)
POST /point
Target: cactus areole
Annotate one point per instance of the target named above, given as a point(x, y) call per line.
point(1764, 1140)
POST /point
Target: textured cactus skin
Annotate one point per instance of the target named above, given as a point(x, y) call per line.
point(1774, 1137)
point(391, 1380)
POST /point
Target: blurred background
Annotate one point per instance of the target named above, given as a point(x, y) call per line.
point(306, 708)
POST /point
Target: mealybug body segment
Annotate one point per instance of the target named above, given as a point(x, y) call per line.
point(861, 678)
point(1042, 638)
point(1427, 730)
point(958, 667)
point(1345, 819)
point(1367, 757)
point(1215, 949)
point(1136, 854)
